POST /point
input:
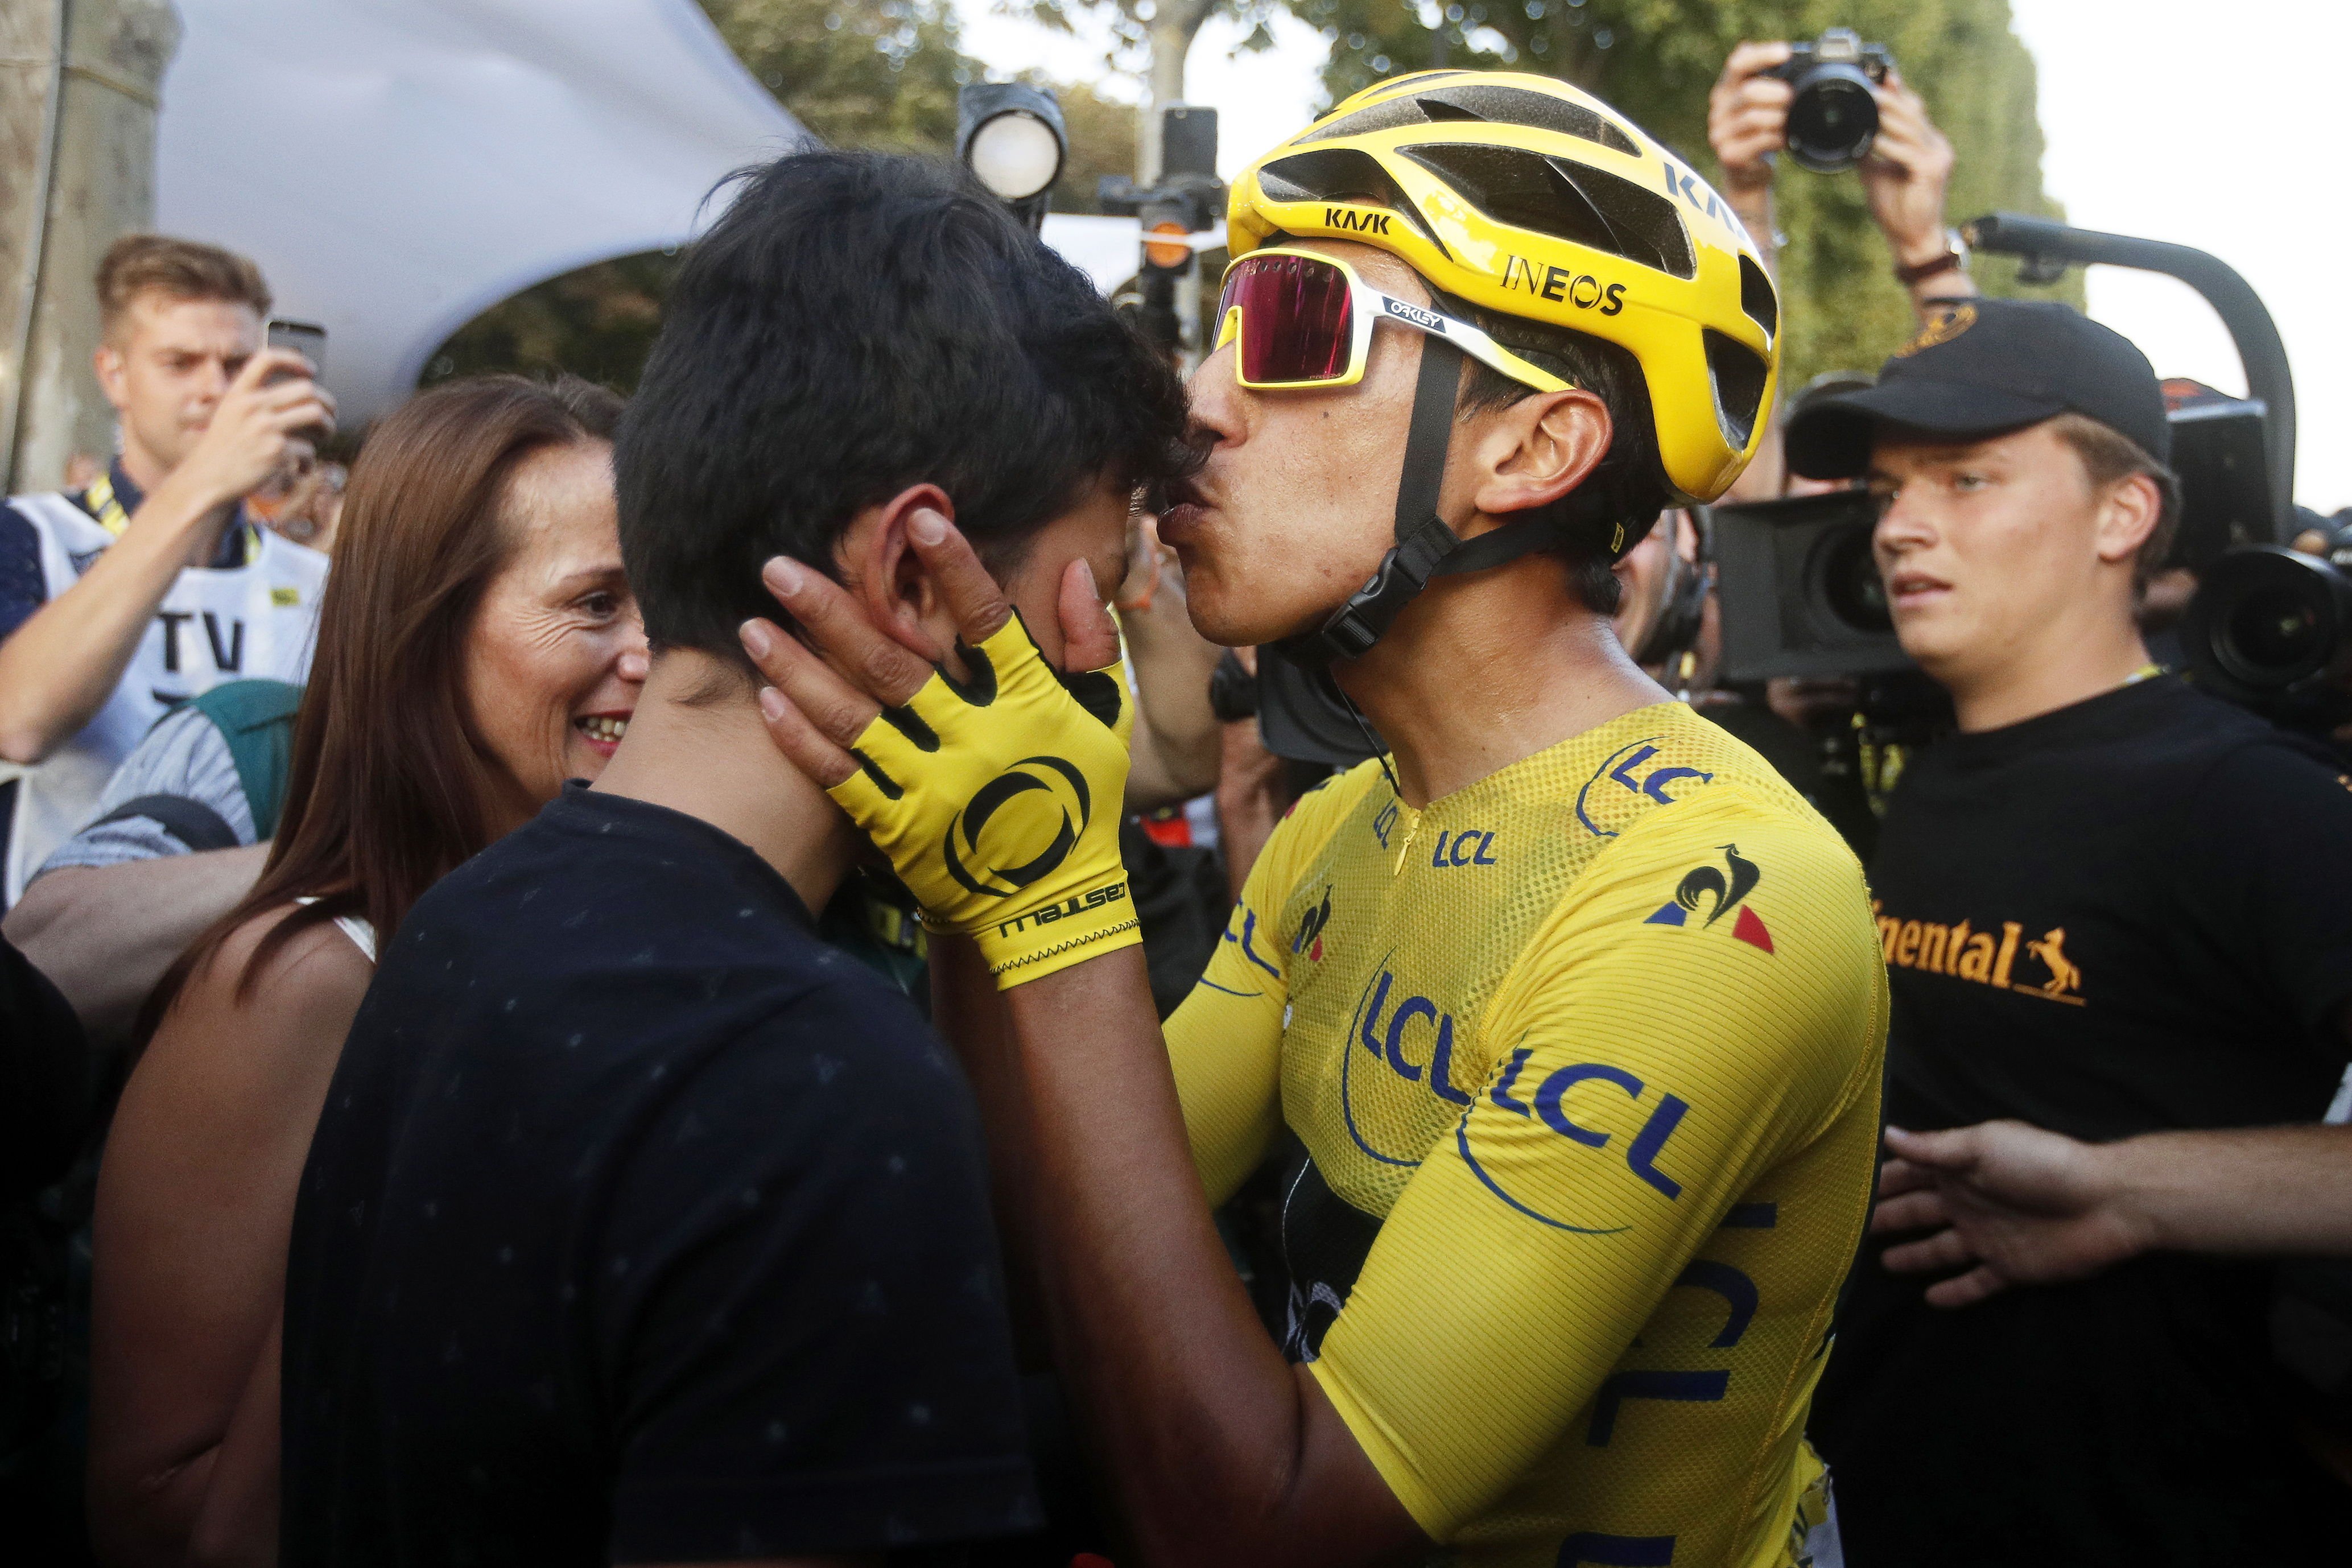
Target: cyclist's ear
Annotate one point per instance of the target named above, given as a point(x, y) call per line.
point(1530, 453)
point(879, 565)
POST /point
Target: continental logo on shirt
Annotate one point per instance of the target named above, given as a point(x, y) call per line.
point(2036, 966)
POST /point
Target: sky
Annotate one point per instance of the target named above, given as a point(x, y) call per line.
point(2163, 119)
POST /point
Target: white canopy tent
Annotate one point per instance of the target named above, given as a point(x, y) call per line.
point(397, 166)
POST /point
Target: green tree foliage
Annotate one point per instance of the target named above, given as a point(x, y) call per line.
point(598, 323)
point(1655, 59)
point(1102, 142)
point(858, 73)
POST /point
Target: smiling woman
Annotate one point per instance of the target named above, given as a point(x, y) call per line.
point(477, 644)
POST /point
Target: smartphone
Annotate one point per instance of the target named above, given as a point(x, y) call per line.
point(305, 338)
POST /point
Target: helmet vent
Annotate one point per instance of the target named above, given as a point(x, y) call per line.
point(1480, 100)
point(1739, 373)
point(1568, 201)
point(1755, 296)
point(1342, 173)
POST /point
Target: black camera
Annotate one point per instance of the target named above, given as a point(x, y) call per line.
point(1799, 589)
point(1833, 118)
point(2271, 628)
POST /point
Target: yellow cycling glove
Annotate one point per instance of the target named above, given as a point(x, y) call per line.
point(998, 801)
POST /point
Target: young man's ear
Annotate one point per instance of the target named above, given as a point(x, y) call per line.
point(108, 364)
point(2127, 516)
point(1537, 450)
point(879, 566)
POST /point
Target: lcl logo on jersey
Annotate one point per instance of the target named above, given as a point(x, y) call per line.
point(1723, 889)
point(1014, 856)
point(1635, 769)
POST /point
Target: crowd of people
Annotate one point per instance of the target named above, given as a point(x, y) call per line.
point(740, 976)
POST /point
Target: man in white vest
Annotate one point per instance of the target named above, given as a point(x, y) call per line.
point(152, 585)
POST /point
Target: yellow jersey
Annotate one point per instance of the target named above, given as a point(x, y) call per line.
point(1577, 1071)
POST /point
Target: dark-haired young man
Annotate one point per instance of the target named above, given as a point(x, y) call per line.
point(1563, 1020)
point(641, 1226)
point(2110, 906)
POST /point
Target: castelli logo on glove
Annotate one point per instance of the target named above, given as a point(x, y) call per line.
point(1002, 864)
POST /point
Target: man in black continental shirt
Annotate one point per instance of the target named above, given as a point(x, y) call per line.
point(641, 1225)
point(2110, 906)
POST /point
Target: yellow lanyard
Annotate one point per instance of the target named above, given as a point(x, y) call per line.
point(107, 507)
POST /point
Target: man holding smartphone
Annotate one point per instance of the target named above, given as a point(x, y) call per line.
point(152, 585)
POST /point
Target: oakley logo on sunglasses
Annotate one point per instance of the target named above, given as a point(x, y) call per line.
point(1356, 223)
point(1429, 320)
point(1582, 290)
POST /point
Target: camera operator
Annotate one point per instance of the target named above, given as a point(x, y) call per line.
point(2111, 906)
point(152, 585)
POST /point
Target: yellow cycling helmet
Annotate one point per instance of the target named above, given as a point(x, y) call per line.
point(1527, 197)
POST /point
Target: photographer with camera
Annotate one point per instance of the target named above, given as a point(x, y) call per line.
point(2110, 906)
point(1754, 114)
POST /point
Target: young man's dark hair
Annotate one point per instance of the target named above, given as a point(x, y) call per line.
point(882, 324)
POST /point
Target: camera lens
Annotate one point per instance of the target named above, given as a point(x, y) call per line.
point(1850, 586)
point(1832, 119)
point(2266, 627)
point(2274, 636)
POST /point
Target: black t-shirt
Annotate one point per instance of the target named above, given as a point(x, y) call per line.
point(640, 1225)
point(2130, 915)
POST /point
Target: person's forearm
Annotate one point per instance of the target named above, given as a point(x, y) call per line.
point(1172, 664)
point(971, 1012)
point(1202, 1424)
point(58, 669)
point(105, 934)
point(2252, 1191)
point(1249, 801)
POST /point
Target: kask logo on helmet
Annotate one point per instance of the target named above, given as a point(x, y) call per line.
point(1029, 841)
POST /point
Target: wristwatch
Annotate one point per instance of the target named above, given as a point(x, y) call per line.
point(1955, 259)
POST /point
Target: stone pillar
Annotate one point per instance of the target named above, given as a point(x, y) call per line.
point(78, 84)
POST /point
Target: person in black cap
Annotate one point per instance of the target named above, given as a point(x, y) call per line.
point(2110, 906)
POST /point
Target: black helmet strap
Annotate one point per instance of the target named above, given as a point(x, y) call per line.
point(1425, 547)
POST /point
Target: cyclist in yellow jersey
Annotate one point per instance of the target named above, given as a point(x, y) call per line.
point(1564, 1017)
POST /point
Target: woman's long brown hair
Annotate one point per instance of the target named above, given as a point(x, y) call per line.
point(387, 786)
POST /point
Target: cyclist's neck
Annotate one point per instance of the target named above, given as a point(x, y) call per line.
point(1480, 672)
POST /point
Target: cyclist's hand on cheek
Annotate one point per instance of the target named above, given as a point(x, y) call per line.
point(996, 796)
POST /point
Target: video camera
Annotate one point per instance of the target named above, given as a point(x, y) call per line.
point(1834, 114)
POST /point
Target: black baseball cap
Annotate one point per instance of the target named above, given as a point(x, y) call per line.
point(1983, 368)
